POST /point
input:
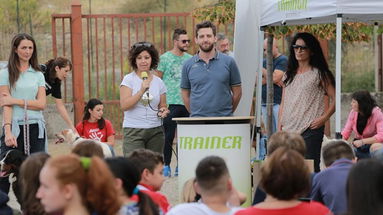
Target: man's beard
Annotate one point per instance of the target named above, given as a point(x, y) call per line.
point(226, 51)
point(182, 49)
point(208, 49)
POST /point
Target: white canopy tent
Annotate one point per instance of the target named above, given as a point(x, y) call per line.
point(248, 37)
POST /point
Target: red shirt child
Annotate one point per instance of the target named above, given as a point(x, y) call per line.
point(90, 130)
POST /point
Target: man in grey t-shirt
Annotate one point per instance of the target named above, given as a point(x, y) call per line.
point(210, 81)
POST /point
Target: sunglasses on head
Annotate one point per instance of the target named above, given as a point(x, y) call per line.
point(184, 41)
point(139, 44)
point(303, 48)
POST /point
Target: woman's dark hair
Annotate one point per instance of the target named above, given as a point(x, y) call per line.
point(365, 103)
point(364, 188)
point(126, 170)
point(139, 47)
point(90, 105)
point(317, 60)
point(29, 183)
point(14, 62)
point(51, 64)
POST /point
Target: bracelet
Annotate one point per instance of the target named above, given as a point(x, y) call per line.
point(362, 141)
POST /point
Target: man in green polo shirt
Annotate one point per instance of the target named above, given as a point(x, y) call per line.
point(169, 70)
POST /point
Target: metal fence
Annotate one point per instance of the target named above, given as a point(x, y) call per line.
point(105, 40)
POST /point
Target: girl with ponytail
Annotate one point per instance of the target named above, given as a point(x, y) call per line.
point(127, 177)
point(73, 185)
point(56, 70)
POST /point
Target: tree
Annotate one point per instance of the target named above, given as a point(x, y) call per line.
point(221, 13)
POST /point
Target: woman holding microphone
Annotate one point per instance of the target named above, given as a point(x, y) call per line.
point(143, 100)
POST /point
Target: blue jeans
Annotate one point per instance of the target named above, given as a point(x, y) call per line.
point(262, 147)
point(378, 154)
point(364, 152)
point(275, 116)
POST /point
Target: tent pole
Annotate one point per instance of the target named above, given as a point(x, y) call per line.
point(338, 68)
point(258, 95)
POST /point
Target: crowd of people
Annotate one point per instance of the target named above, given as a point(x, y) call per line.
point(177, 84)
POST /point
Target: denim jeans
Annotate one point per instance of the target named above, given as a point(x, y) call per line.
point(262, 147)
point(378, 154)
point(363, 151)
point(275, 116)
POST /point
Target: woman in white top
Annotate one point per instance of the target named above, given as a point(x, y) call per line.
point(143, 100)
point(307, 80)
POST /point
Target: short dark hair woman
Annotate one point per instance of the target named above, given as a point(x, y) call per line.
point(307, 81)
point(143, 100)
point(366, 122)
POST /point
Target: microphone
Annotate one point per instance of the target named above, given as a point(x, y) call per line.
point(144, 75)
point(146, 97)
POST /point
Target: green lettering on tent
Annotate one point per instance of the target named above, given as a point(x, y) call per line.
point(182, 139)
point(207, 142)
point(226, 141)
point(290, 5)
point(198, 143)
point(188, 143)
point(237, 142)
point(215, 142)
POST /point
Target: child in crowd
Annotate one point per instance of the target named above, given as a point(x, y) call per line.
point(73, 185)
point(150, 164)
point(189, 194)
point(364, 188)
point(88, 148)
point(29, 183)
point(94, 126)
point(329, 185)
point(285, 177)
point(214, 184)
point(127, 179)
point(279, 139)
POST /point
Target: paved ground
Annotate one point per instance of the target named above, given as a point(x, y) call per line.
point(170, 187)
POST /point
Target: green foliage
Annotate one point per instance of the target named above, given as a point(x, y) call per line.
point(160, 6)
point(365, 81)
point(30, 15)
point(351, 32)
point(222, 12)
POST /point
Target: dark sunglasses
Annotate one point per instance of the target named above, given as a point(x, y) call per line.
point(139, 44)
point(184, 41)
point(303, 48)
